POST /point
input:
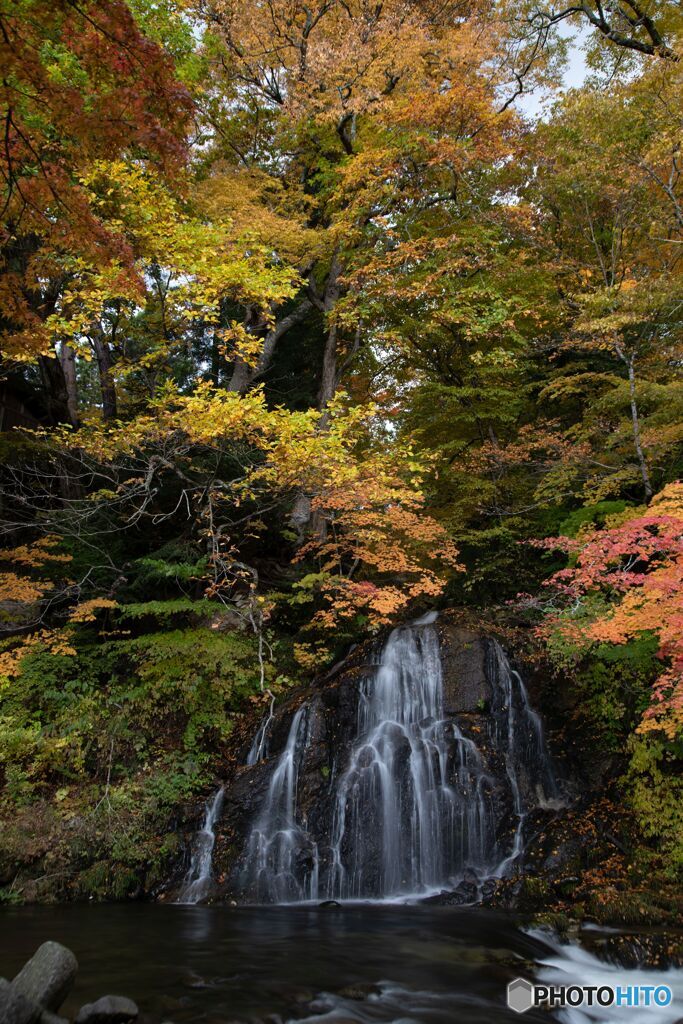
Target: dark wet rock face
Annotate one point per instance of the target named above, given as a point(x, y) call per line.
point(467, 688)
point(412, 768)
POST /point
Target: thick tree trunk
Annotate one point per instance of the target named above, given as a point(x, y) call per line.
point(105, 365)
point(61, 406)
point(215, 371)
point(54, 390)
point(303, 518)
point(330, 376)
point(67, 358)
point(244, 375)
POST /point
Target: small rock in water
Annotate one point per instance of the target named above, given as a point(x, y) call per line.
point(488, 888)
point(108, 1010)
point(303, 997)
point(14, 1008)
point(466, 892)
point(193, 980)
point(319, 1006)
point(170, 1004)
point(359, 991)
point(327, 904)
point(48, 977)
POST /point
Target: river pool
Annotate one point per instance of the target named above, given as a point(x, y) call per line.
point(274, 965)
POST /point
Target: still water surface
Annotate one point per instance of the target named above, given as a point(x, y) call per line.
point(219, 965)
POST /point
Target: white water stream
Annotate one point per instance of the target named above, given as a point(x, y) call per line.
point(197, 881)
point(571, 964)
point(412, 810)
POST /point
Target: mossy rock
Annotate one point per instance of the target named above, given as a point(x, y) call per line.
point(560, 923)
point(125, 882)
point(535, 888)
point(627, 908)
point(94, 880)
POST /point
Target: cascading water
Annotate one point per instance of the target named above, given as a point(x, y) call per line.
point(198, 878)
point(282, 860)
point(519, 734)
point(415, 804)
point(474, 824)
point(259, 748)
point(404, 823)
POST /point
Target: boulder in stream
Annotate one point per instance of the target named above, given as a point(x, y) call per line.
point(108, 1010)
point(41, 986)
point(14, 1008)
point(48, 977)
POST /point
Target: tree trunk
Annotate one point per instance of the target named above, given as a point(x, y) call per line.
point(329, 378)
point(303, 518)
point(105, 364)
point(328, 381)
point(644, 472)
point(67, 357)
point(215, 371)
point(54, 390)
point(244, 375)
point(62, 403)
point(629, 362)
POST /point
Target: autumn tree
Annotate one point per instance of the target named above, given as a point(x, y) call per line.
point(81, 83)
point(651, 30)
point(622, 585)
point(608, 181)
point(375, 113)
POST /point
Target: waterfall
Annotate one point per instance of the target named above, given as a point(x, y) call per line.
point(282, 860)
point(259, 748)
point(198, 878)
point(404, 823)
point(474, 825)
point(519, 734)
point(417, 802)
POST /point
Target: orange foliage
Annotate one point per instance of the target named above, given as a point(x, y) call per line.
point(636, 565)
point(80, 83)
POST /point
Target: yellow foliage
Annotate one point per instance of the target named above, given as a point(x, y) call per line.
point(55, 641)
point(36, 554)
point(86, 611)
point(21, 588)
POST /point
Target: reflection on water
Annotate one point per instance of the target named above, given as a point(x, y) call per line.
point(276, 965)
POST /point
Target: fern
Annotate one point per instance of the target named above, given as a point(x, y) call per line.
point(166, 609)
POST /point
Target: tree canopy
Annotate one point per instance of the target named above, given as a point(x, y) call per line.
point(307, 326)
